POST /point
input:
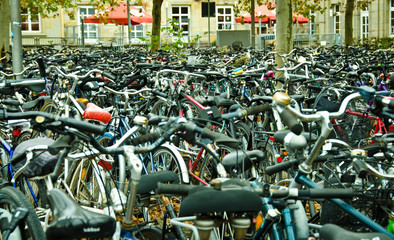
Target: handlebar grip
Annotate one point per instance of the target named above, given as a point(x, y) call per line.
point(232, 115)
point(270, 170)
point(291, 121)
point(391, 105)
point(145, 138)
point(327, 193)
point(258, 109)
point(158, 93)
point(292, 60)
point(386, 101)
point(322, 67)
point(86, 80)
point(11, 102)
point(360, 168)
point(156, 119)
point(83, 126)
point(41, 67)
point(109, 75)
point(175, 189)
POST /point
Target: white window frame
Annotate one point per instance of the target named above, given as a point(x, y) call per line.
point(29, 22)
point(391, 17)
point(187, 33)
point(224, 15)
point(336, 9)
point(312, 22)
point(364, 15)
point(134, 30)
point(88, 26)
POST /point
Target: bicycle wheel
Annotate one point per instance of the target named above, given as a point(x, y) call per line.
point(165, 158)
point(148, 233)
point(208, 169)
point(87, 183)
point(10, 199)
point(271, 154)
point(243, 133)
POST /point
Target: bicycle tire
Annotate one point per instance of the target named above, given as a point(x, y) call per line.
point(271, 153)
point(84, 185)
point(164, 158)
point(12, 198)
point(243, 133)
point(208, 170)
point(148, 233)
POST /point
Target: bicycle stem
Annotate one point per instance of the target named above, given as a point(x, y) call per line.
point(135, 165)
point(326, 128)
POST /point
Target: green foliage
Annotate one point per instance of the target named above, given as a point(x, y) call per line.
point(177, 45)
point(377, 43)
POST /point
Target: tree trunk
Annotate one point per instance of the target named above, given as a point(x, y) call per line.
point(252, 24)
point(284, 30)
point(349, 22)
point(156, 24)
point(4, 26)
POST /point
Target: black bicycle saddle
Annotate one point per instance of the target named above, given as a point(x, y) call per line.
point(71, 221)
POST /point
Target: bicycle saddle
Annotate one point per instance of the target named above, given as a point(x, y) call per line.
point(208, 200)
point(242, 159)
point(149, 182)
point(223, 102)
point(43, 163)
point(333, 232)
point(71, 221)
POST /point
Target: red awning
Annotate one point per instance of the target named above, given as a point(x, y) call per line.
point(118, 15)
point(262, 12)
point(267, 14)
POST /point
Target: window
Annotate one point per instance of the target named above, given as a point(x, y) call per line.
point(337, 18)
point(90, 28)
point(392, 17)
point(181, 14)
point(364, 24)
point(225, 18)
point(137, 31)
point(30, 22)
point(312, 22)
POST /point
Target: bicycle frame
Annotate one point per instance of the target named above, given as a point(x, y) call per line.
point(301, 178)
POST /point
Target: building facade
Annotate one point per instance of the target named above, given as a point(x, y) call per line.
point(376, 21)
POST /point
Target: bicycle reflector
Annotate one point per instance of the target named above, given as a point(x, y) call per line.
point(279, 159)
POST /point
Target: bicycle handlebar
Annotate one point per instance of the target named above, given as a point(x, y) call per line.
point(246, 112)
point(183, 190)
point(332, 115)
point(71, 122)
point(74, 75)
